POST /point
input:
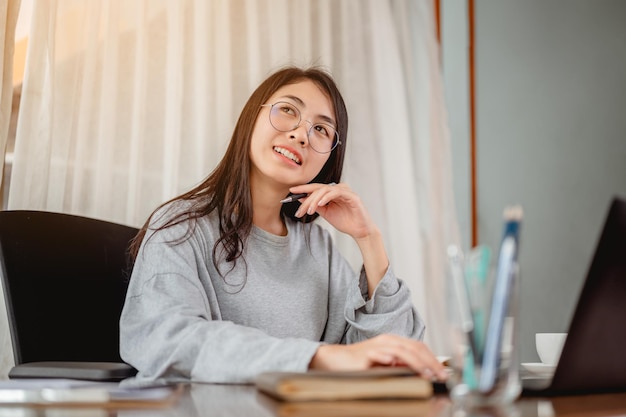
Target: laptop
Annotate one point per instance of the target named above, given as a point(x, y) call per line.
point(593, 358)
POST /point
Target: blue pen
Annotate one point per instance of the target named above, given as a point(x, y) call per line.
point(507, 262)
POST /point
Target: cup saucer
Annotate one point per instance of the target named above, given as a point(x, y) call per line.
point(539, 368)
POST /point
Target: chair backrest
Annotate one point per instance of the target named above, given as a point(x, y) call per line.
point(65, 279)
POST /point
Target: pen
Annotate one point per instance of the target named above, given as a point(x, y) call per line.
point(294, 197)
point(475, 277)
point(476, 272)
point(502, 293)
point(466, 321)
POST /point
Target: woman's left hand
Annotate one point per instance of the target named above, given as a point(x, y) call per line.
point(338, 205)
point(343, 209)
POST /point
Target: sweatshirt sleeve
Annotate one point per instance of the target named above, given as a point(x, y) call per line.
point(390, 310)
point(171, 327)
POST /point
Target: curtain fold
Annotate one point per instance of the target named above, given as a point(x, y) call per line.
point(127, 104)
point(9, 10)
point(8, 20)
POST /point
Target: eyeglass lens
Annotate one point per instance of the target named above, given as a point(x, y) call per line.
point(285, 117)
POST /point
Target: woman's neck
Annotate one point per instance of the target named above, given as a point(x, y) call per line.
point(274, 224)
point(266, 208)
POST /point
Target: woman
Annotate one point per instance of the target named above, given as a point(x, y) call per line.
point(229, 281)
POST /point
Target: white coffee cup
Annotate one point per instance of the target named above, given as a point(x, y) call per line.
point(549, 346)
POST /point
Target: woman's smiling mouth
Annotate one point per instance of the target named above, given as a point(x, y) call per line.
point(287, 154)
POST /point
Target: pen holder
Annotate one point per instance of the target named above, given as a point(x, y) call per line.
point(483, 320)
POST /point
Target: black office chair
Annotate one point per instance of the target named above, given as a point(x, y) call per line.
point(65, 279)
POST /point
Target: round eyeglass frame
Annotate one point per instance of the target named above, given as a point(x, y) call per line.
point(308, 132)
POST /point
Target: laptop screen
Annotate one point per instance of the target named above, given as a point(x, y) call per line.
point(594, 355)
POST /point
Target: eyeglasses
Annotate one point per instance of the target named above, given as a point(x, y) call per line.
point(286, 117)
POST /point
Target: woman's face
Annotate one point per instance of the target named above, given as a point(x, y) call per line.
point(287, 158)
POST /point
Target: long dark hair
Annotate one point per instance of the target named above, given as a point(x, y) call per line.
point(227, 188)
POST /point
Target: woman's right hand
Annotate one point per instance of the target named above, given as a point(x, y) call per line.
point(383, 350)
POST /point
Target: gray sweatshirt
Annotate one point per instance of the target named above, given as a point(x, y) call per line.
point(288, 294)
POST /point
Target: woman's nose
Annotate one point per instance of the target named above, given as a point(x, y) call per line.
point(301, 134)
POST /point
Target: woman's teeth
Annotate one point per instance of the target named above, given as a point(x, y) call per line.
point(288, 154)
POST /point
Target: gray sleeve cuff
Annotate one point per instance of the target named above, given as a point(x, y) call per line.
point(387, 287)
point(389, 310)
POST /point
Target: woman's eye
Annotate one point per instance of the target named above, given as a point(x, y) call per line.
point(322, 130)
point(290, 111)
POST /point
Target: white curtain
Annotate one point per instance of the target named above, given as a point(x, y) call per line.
point(128, 103)
point(8, 21)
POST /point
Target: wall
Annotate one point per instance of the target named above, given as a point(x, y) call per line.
point(551, 135)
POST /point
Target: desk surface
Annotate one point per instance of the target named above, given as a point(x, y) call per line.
point(199, 400)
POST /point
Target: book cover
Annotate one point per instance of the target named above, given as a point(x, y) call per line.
point(375, 383)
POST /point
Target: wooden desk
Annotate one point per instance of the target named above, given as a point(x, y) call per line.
point(200, 400)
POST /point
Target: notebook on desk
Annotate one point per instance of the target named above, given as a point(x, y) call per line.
point(593, 358)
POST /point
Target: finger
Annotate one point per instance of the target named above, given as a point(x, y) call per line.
point(424, 358)
point(309, 188)
point(377, 357)
point(416, 356)
point(306, 203)
point(344, 196)
point(394, 356)
point(321, 197)
point(432, 362)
